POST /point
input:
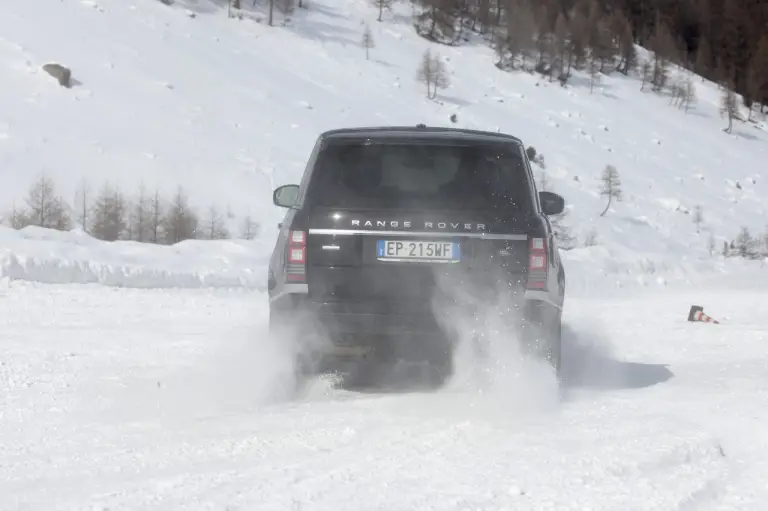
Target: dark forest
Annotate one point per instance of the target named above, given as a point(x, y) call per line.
point(725, 41)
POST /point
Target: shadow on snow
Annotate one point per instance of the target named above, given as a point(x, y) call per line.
point(589, 364)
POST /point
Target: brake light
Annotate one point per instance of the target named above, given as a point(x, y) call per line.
point(537, 264)
point(297, 256)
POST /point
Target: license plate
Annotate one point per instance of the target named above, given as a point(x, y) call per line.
point(418, 251)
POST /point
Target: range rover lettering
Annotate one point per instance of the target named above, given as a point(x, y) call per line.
point(387, 224)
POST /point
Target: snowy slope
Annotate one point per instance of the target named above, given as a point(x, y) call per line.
point(230, 108)
point(159, 400)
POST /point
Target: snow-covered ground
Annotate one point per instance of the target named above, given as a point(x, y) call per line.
point(169, 399)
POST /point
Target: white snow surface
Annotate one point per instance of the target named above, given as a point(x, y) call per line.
point(169, 399)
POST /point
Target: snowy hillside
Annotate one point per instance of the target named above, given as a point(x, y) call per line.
point(228, 108)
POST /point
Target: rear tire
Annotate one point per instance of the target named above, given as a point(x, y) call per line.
point(284, 328)
point(555, 354)
point(542, 335)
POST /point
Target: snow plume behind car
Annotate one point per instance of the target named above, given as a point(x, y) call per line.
point(244, 371)
point(489, 358)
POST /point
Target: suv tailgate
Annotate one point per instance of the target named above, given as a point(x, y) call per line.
point(359, 264)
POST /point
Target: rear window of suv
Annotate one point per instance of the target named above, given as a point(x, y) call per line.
point(420, 174)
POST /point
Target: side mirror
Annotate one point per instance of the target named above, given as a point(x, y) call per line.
point(286, 196)
point(551, 203)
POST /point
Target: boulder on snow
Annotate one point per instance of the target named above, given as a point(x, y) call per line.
point(61, 73)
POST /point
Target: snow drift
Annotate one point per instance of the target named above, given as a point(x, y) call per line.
point(56, 257)
point(50, 256)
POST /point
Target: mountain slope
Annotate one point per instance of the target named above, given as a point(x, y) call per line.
point(228, 108)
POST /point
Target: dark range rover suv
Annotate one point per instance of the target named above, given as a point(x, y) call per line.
point(385, 217)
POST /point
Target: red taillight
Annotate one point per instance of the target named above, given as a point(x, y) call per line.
point(538, 261)
point(297, 255)
point(537, 264)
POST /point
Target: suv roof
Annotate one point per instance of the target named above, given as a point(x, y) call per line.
point(420, 130)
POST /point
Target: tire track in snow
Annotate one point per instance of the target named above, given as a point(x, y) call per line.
point(697, 464)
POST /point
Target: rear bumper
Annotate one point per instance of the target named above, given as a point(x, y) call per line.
point(345, 322)
point(338, 320)
point(335, 334)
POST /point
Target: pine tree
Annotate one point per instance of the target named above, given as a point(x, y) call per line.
point(689, 93)
point(627, 51)
point(16, 218)
point(728, 105)
point(698, 218)
point(180, 222)
point(156, 215)
point(703, 57)
point(758, 72)
point(765, 242)
point(368, 41)
point(562, 54)
point(646, 72)
point(745, 244)
point(594, 73)
point(601, 40)
point(520, 29)
point(140, 217)
point(611, 186)
point(82, 198)
point(108, 215)
point(579, 35)
point(663, 46)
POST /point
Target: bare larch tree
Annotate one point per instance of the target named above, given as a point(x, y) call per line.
point(432, 73)
point(215, 228)
point(44, 207)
